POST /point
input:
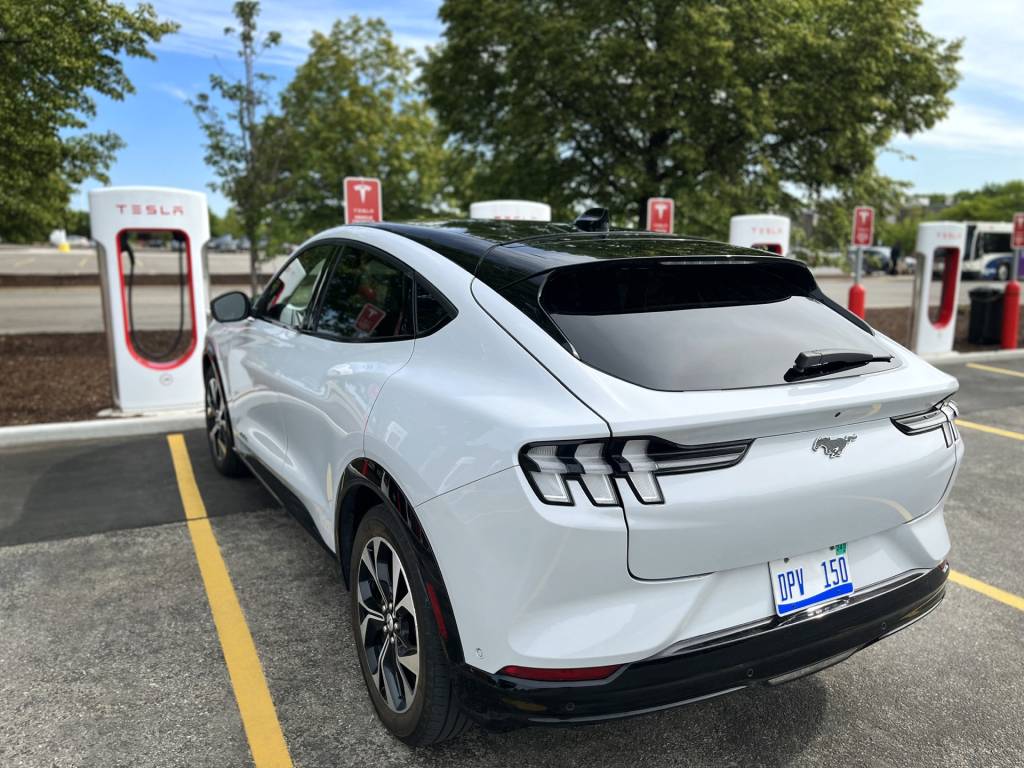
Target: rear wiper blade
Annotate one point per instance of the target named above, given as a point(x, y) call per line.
point(820, 362)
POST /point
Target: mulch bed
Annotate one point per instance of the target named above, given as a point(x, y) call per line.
point(53, 377)
point(65, 377)
point(48, 377)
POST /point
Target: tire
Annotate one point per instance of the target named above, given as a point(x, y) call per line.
point(219, 436)
point(384, 566)
point(1003, 272)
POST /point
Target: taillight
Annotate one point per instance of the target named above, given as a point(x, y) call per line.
point(942, 416)
point(548, 466)
point(596, 463)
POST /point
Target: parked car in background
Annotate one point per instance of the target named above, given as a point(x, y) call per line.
point(1000, 267)
point(223, 243)
point(876, 258)
point(986, 241)
point(80, 241)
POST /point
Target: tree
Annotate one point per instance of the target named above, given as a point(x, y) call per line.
point(722, 105)
point(352, 110)
point(993, 202)
point(241, 146)
point(54, 57)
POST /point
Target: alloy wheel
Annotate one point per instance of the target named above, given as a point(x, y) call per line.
point(216, 418)
point(387, 624)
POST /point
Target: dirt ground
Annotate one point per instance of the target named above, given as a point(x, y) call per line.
point(65, 376)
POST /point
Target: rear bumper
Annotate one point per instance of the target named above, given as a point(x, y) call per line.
point(771, 653)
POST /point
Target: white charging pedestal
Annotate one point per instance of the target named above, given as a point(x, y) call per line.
point(135, 224)
point(764, 231)
point(513, 210)
point(940, 247)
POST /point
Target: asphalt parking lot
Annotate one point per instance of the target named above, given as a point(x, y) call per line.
point(125, 632)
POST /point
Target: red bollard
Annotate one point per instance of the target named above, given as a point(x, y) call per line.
point(1011, 314)
point(856, 304)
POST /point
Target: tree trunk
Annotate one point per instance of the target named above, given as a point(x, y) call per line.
point(254, 261)
point(642, 212)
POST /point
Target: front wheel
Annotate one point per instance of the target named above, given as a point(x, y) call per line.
point(219, 436)
point(397, 640)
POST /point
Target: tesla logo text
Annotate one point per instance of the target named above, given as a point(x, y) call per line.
point(137, 209)
point(833, 446)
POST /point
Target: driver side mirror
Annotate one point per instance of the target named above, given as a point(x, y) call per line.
point(231, 307)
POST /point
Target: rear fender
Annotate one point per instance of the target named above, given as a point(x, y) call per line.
point(366, 476)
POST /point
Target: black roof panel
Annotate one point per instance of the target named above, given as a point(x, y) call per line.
point(503, 252)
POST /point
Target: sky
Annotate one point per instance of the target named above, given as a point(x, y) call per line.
point(981, 141)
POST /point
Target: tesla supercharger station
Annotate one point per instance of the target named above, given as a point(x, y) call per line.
point(162, 370)
point(761, 230)
point(938, 243)
point(513, 210)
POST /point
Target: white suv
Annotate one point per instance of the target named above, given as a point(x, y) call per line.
point(573, 474)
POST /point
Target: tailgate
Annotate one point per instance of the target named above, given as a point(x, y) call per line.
point(785, 498)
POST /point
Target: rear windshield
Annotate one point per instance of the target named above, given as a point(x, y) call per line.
point(695, 324)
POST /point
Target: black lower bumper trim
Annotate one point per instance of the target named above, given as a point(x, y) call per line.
point(775, 653)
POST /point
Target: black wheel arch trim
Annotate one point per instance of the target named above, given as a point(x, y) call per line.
point(369, 474)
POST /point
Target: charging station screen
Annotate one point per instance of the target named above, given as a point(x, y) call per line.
point(159, 310)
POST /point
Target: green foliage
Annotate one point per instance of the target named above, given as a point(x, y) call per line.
point(54, 56)
point(725, 106)
point(833, 218)
point(77, 223)
point(241, 144)
point(993, 202)
point(352, 110)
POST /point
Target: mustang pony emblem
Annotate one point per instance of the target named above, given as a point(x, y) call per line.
point(832, 446)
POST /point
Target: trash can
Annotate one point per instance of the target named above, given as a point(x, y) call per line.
point(986, 322)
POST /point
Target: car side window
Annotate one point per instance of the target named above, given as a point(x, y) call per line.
point(366, 298)
point(287, 299)
point(431, 311)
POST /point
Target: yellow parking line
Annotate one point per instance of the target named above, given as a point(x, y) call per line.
point(1014, 601)
point(266, 741)
point(996, 369)
point(990, 430)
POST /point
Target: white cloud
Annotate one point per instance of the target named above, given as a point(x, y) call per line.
point(993, 38)
point(170, 88)
point(973, 128)
point(987, 117)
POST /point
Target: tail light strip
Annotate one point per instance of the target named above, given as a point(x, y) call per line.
point(942, 416)
point(596, 464)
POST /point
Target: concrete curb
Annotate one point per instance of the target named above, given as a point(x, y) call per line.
point(974, 357)
point(97, 429)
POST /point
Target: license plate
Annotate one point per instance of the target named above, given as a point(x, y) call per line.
point(811, 579)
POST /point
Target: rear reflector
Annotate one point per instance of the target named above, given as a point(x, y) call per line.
point(571, 675)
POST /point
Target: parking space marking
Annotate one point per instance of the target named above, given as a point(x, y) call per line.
point(1014, 601)
point(996, 369)
point(990, 430)
point(259, 717)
